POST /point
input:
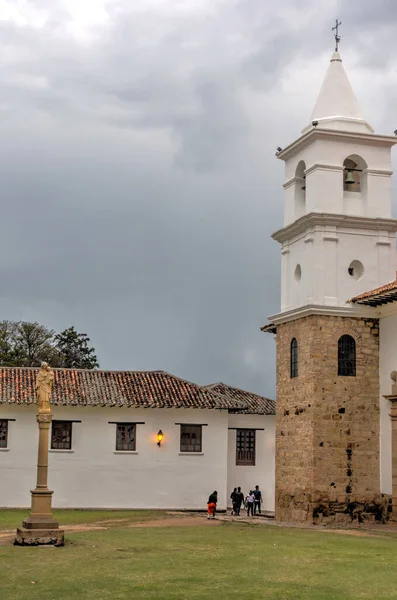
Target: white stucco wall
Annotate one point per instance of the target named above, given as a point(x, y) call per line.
point(263, 473)
point(387, 364)
point(93, 475)
point(324, 254)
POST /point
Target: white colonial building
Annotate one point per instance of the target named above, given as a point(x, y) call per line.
point(104, 444)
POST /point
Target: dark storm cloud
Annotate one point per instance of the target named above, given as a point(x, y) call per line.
point(138, 177)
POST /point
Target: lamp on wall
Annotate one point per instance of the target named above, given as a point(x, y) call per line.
point(160, 437)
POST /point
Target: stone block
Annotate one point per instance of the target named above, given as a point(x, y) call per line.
point(39, 537)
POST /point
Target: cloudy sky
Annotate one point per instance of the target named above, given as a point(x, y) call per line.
point(138, 181)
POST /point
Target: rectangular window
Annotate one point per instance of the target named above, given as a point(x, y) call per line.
point(245, 447)
point(3, 433)
point(61, 435)
point(125, 436)
point(191, 438)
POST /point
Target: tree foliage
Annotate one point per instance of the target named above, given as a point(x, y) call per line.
point(74, 350)
point(24, 344)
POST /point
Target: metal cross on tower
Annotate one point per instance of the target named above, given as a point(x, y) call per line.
point(337, 36)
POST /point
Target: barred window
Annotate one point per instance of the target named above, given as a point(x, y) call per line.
point(61, 435)
point(126, 436)
point(346, 356)
point(294, 358)
point(191, 436)
point(245, 447)
point(3, 433)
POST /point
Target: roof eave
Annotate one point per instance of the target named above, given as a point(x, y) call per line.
point(318, 133)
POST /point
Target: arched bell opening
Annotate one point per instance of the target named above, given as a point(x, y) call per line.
point(354, 185)
point(353, 174)
point(300, 189)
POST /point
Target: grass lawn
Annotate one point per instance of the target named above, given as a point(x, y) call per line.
point(230, 561)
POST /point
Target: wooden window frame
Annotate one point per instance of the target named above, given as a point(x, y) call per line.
point(55, 445)
point(347, 356)
point(4, 443)
point(294, 357)
point(130, 445)
point(245, 457)
point(186, 429)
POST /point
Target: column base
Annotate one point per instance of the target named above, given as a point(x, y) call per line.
point(39, 537)
point(40, 522)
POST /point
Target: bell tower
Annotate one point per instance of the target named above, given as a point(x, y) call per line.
point(338, 240)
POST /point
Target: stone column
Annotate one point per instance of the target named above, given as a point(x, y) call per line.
point(40, 527)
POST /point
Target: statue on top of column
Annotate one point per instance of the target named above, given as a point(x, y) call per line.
point(44, 381)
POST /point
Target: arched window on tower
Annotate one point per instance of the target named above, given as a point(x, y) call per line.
point(346, 356)
point(300, 190)
point(294, 358)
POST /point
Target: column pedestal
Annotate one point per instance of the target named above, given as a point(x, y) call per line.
point(40, 528)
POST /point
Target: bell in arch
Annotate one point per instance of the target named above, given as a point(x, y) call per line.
point(349, 179)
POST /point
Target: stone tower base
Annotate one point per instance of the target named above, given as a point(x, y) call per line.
point(327, 425)
point(305, 508)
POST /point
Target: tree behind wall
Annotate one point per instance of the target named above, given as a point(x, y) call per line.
point(24, 344)
point(74, 350)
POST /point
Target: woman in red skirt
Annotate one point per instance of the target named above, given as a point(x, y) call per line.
point(212, 501)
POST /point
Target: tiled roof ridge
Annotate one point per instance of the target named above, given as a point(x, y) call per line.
point(386, 287)
point(89, 387)
point(255, 404)
point(99, 371)
point(233, 387)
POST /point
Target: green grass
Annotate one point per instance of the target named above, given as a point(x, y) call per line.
point(230, 561)
point(11, 519)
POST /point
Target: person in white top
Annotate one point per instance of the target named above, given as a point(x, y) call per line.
point(249, 502)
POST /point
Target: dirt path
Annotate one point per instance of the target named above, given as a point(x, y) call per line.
point(179, 519)
point(173, 519)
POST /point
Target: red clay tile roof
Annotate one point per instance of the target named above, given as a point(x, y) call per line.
point(381, 295)
point(255, 405)
point(149, 389)
point(269, 328)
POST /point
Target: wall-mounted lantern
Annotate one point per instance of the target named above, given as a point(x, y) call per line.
point(160, 437)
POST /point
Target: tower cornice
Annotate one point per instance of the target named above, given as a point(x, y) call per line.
point(313, 309)
point(335, 220)
point(315, 134)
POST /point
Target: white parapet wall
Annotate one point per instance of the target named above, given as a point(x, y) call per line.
point(94, 475)
point(263, 473)
point(387, 364)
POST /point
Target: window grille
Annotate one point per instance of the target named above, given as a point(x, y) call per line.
point(346, 356)
point(3, 433)
point(245, 447)
point(61, 435)
point(294, 358)
point(126, 436)
point(191, 436)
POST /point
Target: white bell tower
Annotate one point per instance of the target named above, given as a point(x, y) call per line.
point(338, 238)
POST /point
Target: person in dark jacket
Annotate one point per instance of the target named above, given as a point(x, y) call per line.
point(212, 502)
point(234, 499)
point(257, 499)
point(240, 500)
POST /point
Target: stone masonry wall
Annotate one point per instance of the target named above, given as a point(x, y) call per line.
point(327, 426)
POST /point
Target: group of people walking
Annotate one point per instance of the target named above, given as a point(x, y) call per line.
point(252, 502)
